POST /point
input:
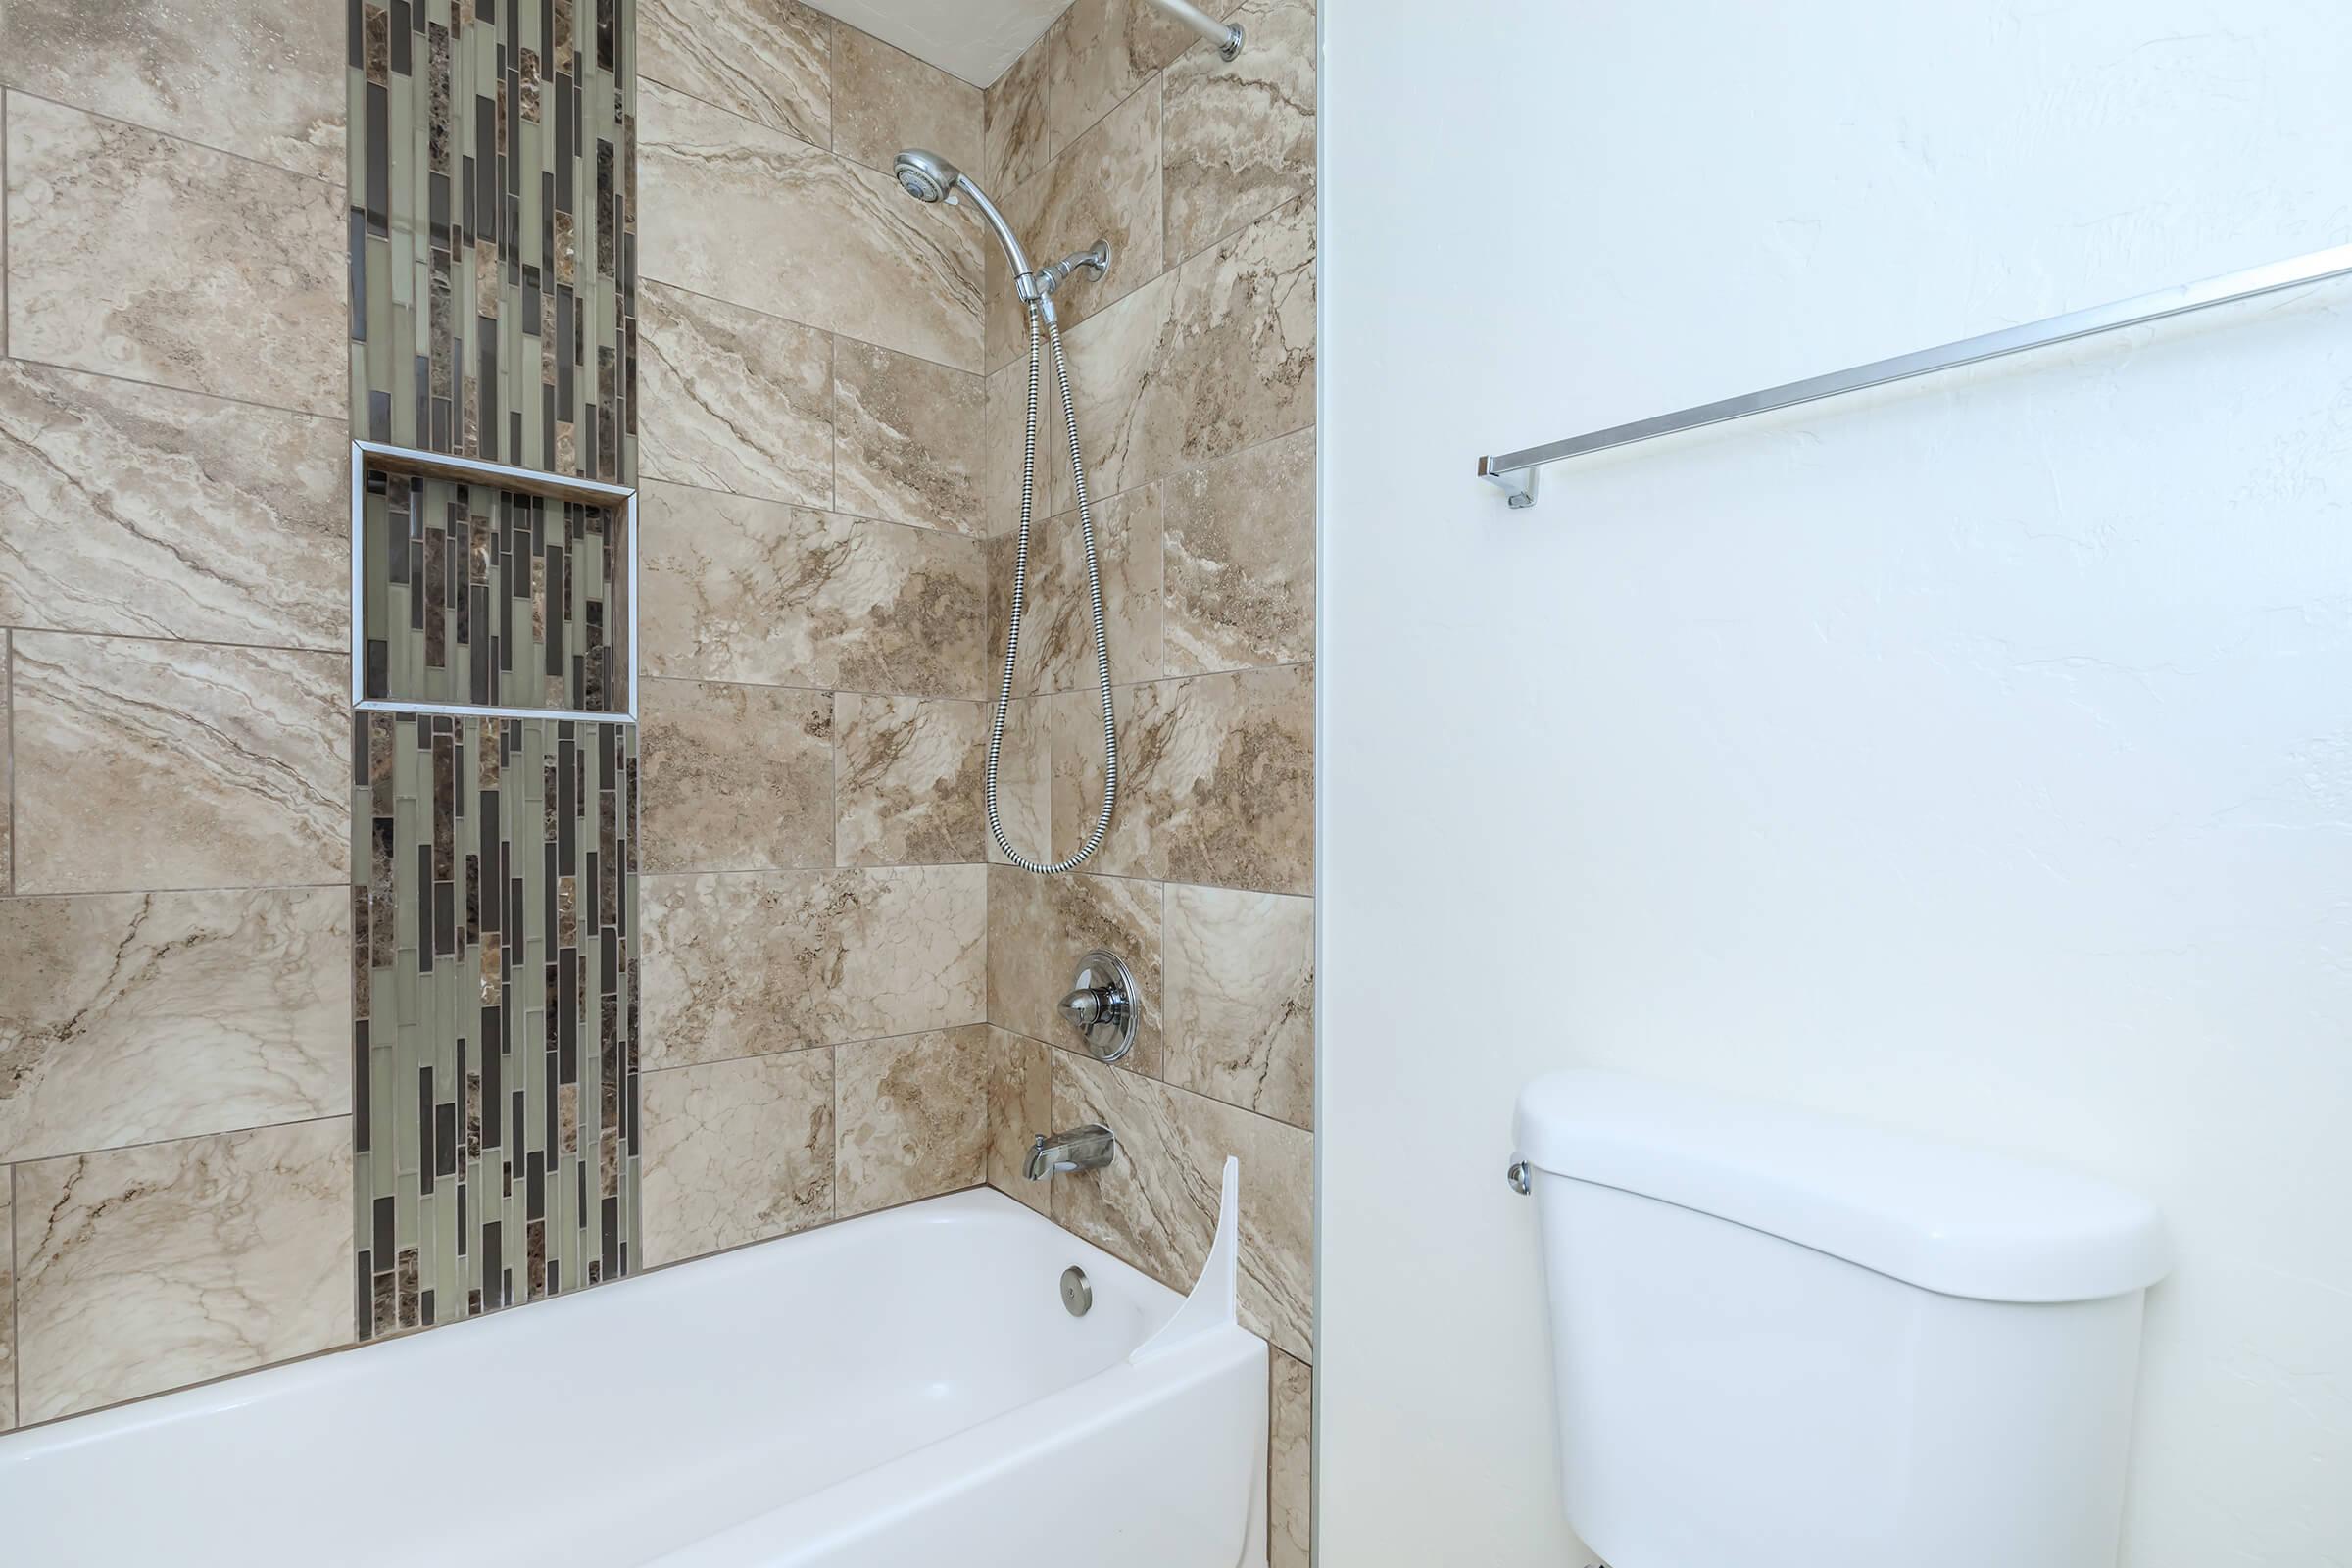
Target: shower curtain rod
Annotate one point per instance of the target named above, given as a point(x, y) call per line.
point(1514, 472)
point(1227, 37)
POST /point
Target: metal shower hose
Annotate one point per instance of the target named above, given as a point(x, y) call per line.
point(1013, 630)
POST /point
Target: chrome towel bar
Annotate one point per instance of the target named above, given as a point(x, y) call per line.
point(1514, 472)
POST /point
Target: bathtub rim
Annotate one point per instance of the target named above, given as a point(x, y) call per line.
point(1045, 1430)
point(230, 1390)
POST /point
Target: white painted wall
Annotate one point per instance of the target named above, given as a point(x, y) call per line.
point(1976, 757)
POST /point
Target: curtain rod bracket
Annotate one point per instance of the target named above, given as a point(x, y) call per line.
point(1227, 37)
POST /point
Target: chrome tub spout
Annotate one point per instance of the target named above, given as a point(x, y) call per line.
point(1087, 1147)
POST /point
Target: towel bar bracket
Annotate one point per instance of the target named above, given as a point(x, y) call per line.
point(1518, 485)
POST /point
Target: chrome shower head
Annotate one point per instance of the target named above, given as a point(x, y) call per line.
point(928, 177)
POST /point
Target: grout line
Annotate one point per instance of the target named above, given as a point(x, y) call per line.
point(4, 236)
point(1161, 680)
point(829, 511)
point(16, 1312)
point(1187, 471)
point(979, 163)
point(19, 629)
point(833, 759)
point(16, 1160)
point(339, 184)
point(644, 80)
point(915, 697)
point(8, 735)
point(1117, 686)
point(986, 989)
point(668, 287)
point(27, 895)
point(1312, 194)
point(820, 691)
point(1167, 1033)
point(1086, 129)
point(785, 1235)
point(1061, 1050)
point(1168, 882)
point(818, 1045)
point(675, 874)
point(337, 422)
point(817, 870)
point(831, 27)
point(223, 1377)
point(831, 691)
point(833, 420)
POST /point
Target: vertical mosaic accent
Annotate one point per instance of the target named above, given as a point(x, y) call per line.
point(493, 230)
point(495, 980)
point(482, 596)
point(493, 316)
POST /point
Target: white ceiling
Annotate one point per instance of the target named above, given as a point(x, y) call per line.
point(975, 39)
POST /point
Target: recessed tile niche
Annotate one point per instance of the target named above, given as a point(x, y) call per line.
point(494, 593)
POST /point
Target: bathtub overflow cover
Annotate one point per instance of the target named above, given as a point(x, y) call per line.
point(1076, 1293)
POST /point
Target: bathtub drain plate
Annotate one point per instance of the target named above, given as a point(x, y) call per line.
point(1076, 1293)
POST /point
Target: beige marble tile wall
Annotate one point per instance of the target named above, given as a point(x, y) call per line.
point(813, 594)
point(174, 961)
point(1193, 363)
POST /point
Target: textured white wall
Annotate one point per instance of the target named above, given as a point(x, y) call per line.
point(1976, 757)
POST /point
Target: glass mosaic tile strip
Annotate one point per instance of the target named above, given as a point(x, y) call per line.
point(494, 977)
point(491, 595)
point(493, 230)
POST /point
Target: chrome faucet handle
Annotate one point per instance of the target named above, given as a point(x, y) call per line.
point(1088, 1006)
point(1102, 1006)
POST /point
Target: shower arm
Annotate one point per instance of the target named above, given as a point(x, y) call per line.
point(995, 221)
point(1226, 37)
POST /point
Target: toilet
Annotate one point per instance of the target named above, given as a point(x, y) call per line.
point(1786, 1341)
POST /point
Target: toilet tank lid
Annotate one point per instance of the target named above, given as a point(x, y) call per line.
point(1948, 1220)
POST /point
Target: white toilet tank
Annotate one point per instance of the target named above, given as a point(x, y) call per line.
point(1785, 1340)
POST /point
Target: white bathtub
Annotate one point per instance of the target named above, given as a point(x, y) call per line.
point(902, 1388)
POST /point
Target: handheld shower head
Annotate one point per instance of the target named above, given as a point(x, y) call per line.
point(926, 176)
point(931, 180)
